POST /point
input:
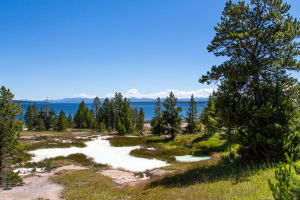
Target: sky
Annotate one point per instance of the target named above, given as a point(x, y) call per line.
point(65, 49)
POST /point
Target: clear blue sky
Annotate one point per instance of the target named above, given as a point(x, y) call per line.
point(60, 49)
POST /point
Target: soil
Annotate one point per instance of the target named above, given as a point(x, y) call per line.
point(38, 186)
point(121, 176)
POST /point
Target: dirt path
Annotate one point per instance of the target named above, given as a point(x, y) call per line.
point(38, 186)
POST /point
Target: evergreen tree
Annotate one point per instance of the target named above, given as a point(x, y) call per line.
point(127, 116)
point(29, 118)
point(171, 115)
point(135, 114)
point(36, 115)
point(10, 128)
point(141, 120)
point(118, 103)
point(80, 116)
point(157, 122)
point(40, 125)
point(192, 116)
point(259, 41)
point(209, 117)
point(96, 105)
point(100, 117)
point(106, 112)
point(287, 186)
point(70, 121)
point(113, 122)
point(62, 121)
point(50, 119)
point(84, 118)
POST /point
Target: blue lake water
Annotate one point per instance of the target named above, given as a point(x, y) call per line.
point(147, 107)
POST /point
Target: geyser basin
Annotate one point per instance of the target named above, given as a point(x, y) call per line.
point(191, 158)
point(101, 151)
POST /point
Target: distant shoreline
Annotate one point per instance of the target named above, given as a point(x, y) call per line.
point(178, 102)
point(185, 102)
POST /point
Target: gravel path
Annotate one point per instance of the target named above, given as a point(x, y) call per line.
point(38, 186)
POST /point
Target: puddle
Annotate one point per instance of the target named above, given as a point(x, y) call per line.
point(191, 158)
point(101, 151)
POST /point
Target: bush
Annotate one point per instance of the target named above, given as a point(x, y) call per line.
point(288, 185)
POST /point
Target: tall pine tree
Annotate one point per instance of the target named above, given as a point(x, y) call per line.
point(157, 121)
point(171, 116)
point(259, 42)
point(141, 120)
point(95, 106)
point(10, 128)
point(192, 116)
point(62, 121)
point(29, 118)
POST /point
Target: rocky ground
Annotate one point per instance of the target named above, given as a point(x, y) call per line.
point(38, 186)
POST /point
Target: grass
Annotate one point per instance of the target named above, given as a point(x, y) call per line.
point(54, 144)
point(201, 180)
point(209, 179)
point(78, 158)
point(161, 154)
point(53, 139)
point(166, 148)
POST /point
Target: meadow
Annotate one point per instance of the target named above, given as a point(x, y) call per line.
point(209, 179)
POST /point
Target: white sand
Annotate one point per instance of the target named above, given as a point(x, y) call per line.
point(101, 151)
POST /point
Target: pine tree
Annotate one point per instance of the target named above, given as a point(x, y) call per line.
point(29, 118)
point(157, 122)
point(10, 128)
point(209, 117)
point(116, 107)
point(84, 118)
point(192, 116)
point(100, 117)
point(40, 125)
point(141, 120)
point(80, 116)
point(112, 117)
point(50, 119)
point(62, 121)
point(70, 121)
point(96, 105)
point(36, 115)
point(259, 40)
point(128, 116)
point(106, 112)
point(171, 115)
point(135, 115)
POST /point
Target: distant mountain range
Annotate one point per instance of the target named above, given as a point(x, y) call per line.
point(87, 100)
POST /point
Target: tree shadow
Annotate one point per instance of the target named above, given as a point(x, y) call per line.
point(207, 173)
point(223, 147)
point(204, 137)
point(165, 140)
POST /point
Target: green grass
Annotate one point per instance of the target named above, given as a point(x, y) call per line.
point(201, 180)
point(54, 144)
point(161, 154)
point(209, 179)
point(78, 158)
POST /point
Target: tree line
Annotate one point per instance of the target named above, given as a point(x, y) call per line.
point(116, 115)
point(45, 118)
point(167, 119)
point(111, 115)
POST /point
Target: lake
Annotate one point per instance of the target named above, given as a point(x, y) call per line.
point(147, 107)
